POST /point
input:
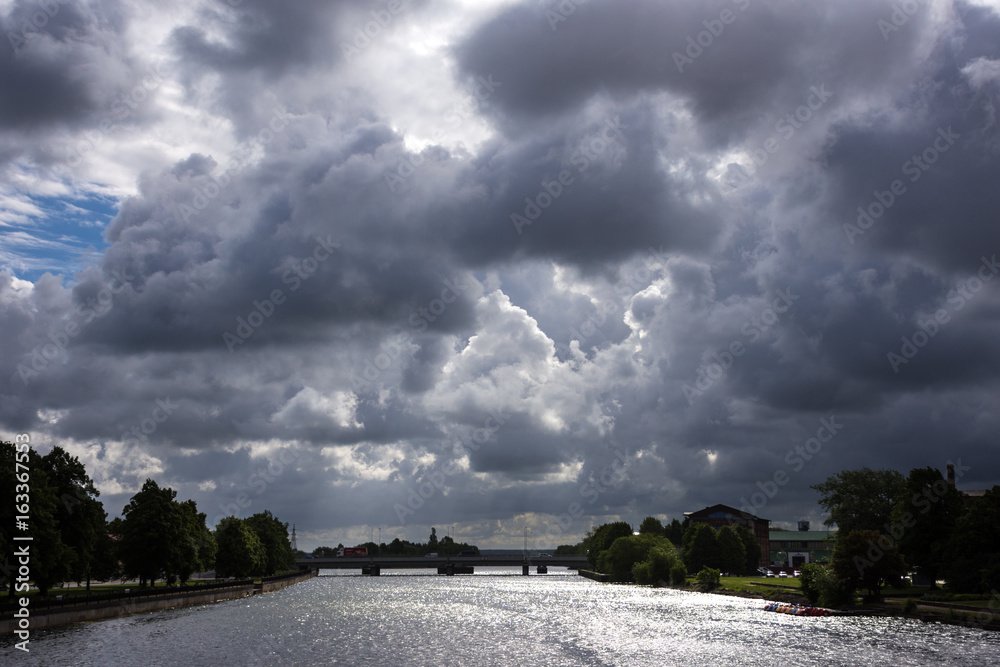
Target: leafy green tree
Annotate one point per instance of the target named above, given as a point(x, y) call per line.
point(651, 525)
point(273, 536)
point(51, 559)
point(708, 578)
point(861, 499)
point(80, 516)
point(660, 560)
point(331, 552)
point(600, 539)
point(924, 520)
point(701, 547)
point(675, 531)
point(810, 581)
point(432, 541)
point(240, 553)
point(678, 573)
point(732, 554)
point(867, 559)
point(625, 552)
point(751, 550)
point(195, 552)
point(974, 552)
point(154, 535)
point(569, 549)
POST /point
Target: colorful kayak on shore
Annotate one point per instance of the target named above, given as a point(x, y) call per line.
point(797, 609)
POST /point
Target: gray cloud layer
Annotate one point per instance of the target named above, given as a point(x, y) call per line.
point(652, 265)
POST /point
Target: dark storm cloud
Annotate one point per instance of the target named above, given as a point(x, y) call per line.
point(493, 331)
point(761, 55)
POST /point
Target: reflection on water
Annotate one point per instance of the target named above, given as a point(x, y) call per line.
point(498, 617)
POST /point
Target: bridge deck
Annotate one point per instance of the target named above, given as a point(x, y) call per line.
point(418, 562)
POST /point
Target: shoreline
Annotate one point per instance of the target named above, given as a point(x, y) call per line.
point(102, 611)
point(929, 612)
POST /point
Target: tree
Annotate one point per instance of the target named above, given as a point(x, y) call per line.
point(675, 531)
point(239, 553)
point(80, 516)
point(861, 499)
point(50, 557)
point(196, 551)
point(924, 520)
point(331, 552)
point(432, 541)
point(868, 559)
point(651, 525)
point(601, 538)
point(708, 578)
point(732, 554)
point(974, 552)
point(660, 561)
point(625, 552)
point(273, 536)
point(701, 547)
point(751, 549)
point(154, 534)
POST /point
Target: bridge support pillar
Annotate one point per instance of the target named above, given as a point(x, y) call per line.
point(524, 569)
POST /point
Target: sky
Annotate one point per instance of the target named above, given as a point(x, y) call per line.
point(496, 266)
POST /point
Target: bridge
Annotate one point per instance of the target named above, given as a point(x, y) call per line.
point(373, 565)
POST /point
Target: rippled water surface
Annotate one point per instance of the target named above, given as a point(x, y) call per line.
point(498, 617)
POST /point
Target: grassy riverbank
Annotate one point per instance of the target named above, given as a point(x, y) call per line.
point(983, 613)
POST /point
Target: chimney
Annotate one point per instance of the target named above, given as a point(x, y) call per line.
point(951, 475)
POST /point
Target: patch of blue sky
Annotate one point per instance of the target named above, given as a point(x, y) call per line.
point(59, 235)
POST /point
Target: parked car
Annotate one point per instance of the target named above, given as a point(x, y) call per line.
point(769, 574)
point(783, 574)
point(797, 573)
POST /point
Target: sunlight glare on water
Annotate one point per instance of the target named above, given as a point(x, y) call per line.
point(497, 617)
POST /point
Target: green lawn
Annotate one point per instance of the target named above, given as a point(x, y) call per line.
point(761, 585)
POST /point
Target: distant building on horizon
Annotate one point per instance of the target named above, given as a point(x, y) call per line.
point(718, 516)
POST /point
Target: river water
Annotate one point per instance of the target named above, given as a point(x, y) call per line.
point(497, 617)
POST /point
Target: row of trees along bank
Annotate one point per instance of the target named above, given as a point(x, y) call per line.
point(157, 537)
point(889, 523)
point(651, 557)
